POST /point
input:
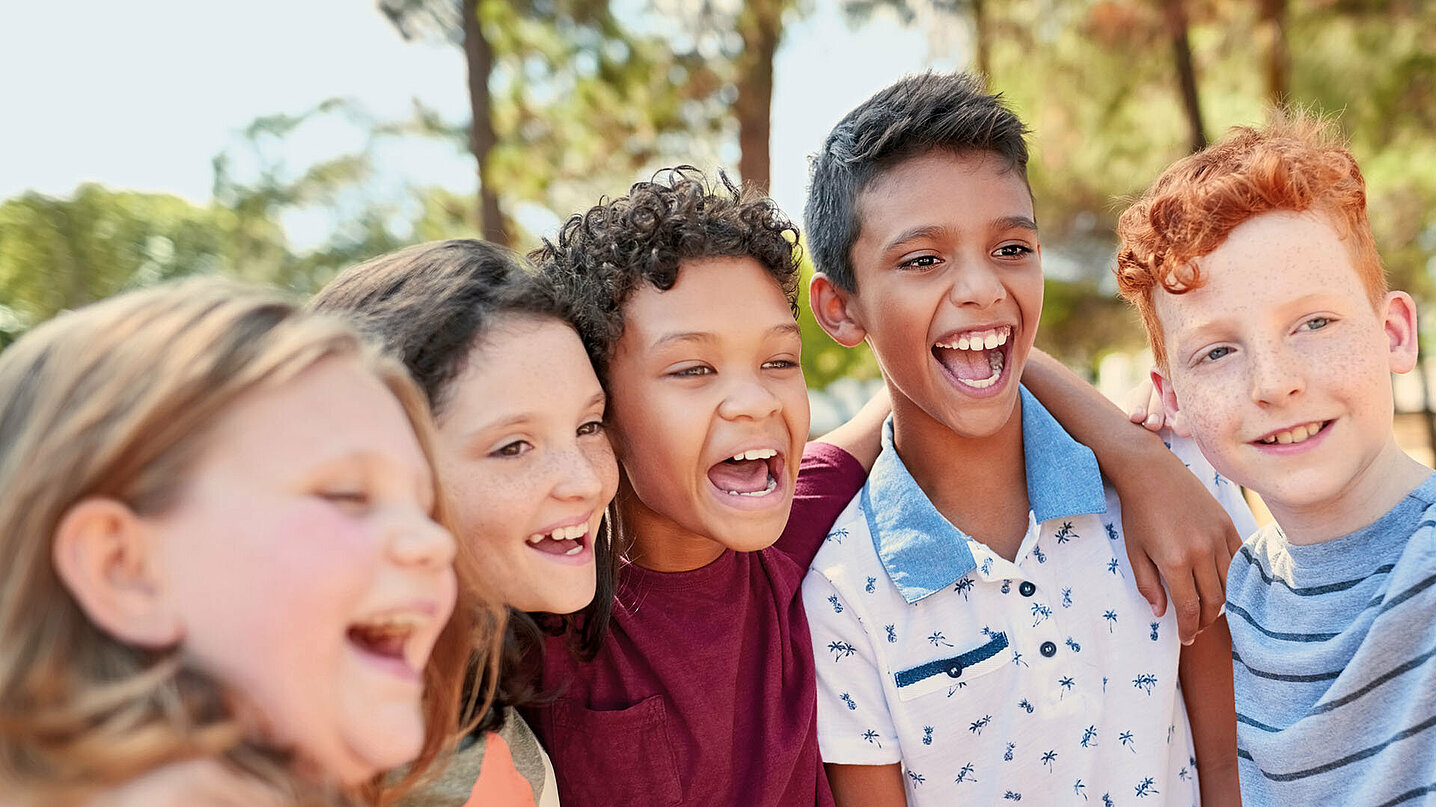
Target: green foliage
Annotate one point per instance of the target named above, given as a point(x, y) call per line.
point(825, 361)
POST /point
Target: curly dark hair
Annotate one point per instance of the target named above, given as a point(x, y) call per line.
point(600, 257)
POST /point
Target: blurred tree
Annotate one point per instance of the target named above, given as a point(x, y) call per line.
point(567, 102)
point(57, 254)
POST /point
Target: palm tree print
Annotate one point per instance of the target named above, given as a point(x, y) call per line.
point(892, 633)
point(1049, 758)
point(872, 585)
point(1066, 684)
point(1155, 626)
point(1066, 533)
point(964, 586)
point(937, 638)
point(1067, 597)
point(1025, 705)
point(841, 650)
point(927, 735)
point(1114, 566)
point(1040, 613)
point(1007, 755)
point(1125, 738)
point(1089, 737)
point(837, 605)
point(1145, 682)
point(1012, 796)
point(1080, 789)
point(1111, 530)
point(837, 535)
point(965, 774)
point(1218, 480)
point(916, 778)
point(1017, 660)
point(1072, 643)
point(872, 737)
point(848, 699)
point(1147, 787)
point(1111, 617)
point(979, 724)
point(1184, 774)
point(1037, 553)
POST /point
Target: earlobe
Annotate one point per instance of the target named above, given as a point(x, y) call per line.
point(1401, 331)
point(103, 554)
point(831, 309)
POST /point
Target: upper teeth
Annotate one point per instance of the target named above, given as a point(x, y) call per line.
point(979, 340)
point(391, 623)
point(561, 534)
point(755, 454)
point(1298, 434)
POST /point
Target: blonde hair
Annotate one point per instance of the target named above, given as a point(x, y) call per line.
point(115, 400)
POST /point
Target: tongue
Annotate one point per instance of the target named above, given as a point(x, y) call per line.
point(379, 644)
point(742, 476)
point(968, 365)
point(550, 546)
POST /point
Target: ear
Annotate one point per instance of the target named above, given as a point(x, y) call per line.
point(105, 555)
point(831, 309)
point(1400, 324)
point(1171, 410)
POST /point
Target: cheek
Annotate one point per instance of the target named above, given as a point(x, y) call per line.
point(601, 458)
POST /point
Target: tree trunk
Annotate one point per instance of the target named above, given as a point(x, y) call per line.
point(760, 23)
point(1278, 58)
point(480, 57)
point(1176, 17)
point(980, 40)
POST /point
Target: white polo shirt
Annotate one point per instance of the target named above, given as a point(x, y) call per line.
point(1046, 680)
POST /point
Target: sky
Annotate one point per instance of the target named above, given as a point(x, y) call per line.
point(141, 95)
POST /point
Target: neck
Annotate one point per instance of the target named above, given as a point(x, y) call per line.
point(1370, 494)
point(979, 484)
point(657, 542)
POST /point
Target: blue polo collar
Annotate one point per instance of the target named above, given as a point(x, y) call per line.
point(922, 552)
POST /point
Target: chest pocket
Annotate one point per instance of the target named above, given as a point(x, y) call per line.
point(951, 671)
point(621, 756)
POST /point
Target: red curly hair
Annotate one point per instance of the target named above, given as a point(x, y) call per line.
point(1293, 164)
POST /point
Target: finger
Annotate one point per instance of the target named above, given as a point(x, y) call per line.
point(1188, 604)
point(1224, 559)
point(1178, 425)
point(1212, 588)
point(1149, 583)
point(1137, 406)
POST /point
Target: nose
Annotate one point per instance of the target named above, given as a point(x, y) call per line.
point(749, 398)
point(975, 283)
point(419, 541)
point(576, 476)
point(1275, 377)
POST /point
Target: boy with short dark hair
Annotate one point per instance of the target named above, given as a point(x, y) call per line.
point(1256, 274)
point(978, 634)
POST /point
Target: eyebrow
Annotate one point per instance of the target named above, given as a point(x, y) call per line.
point(705, 337)
point(935, 230)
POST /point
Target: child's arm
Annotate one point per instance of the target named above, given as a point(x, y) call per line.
point(868, 785)
point(1205, 671)
point(1191, 545)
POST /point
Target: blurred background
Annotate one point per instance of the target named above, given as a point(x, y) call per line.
point(280, 141)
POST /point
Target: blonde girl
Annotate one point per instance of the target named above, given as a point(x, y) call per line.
point(223, 578)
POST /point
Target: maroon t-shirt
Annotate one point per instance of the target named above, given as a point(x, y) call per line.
point(703, 693)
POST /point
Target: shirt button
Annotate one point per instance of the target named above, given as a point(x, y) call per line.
point(955, 670)
point(1027, 589)
point(1048, 649)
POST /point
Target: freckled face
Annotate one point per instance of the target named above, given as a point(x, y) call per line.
point(526, 462)
point(949, 287)
point(1280, 365)
point(704, 372)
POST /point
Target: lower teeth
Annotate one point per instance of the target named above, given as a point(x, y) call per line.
point(995, 362)
point(772, 486)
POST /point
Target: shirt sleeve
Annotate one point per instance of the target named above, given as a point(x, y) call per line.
point(854, 724)
point(1227, 493)
point(828, 479)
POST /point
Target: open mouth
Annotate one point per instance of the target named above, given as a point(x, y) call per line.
point(1294, 435)
point(975, 359)
point(753, 473)
point(568, 540)
point(385, 639)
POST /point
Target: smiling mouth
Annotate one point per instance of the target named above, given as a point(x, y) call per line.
point(561, 540)
point(752, 473)
point(975, 359)
point(385, 637)
point(1294, 435)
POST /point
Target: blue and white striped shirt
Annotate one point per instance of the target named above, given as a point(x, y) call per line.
point(1334, 649)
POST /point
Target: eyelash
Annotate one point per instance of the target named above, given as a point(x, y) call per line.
point(591, 428)
point(357, 500)
point(1325, 321)
point(520, 448)
point(1021, 250)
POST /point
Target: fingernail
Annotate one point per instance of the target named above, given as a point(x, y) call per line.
point(1156, 612)
point(1187, 642)
point(1152, 420)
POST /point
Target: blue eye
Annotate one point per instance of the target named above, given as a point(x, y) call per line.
point(1216, 353)
point(1315, 323)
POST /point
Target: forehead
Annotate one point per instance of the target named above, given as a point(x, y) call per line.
point(519, 360)
point(972, 188)
point(729, 297)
